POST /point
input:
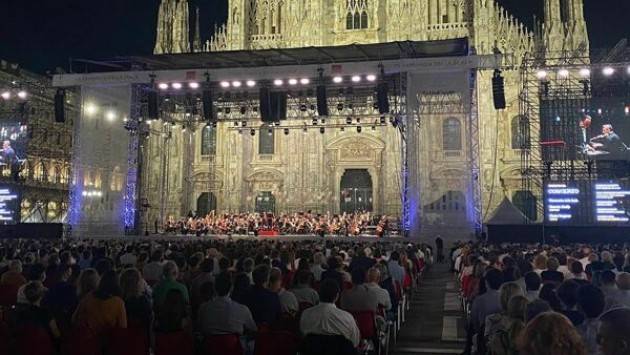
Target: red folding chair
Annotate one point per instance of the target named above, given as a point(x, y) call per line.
point(366, 321)
point(180, 343)
point(276, 343)
point(33, 340)
point(127, 341)
point(227, 344)
point(5, 338)
point(8, 295)
point(80, 341)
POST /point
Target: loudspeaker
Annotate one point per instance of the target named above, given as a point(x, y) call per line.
point(153, 106)
point(382, 100)
point(498, 90)
point(60, 105)
point(273, 105)
point(322, 101)
point(208, 105)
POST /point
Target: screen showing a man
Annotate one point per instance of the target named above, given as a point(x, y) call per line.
point(7, 154)
point(607, 143)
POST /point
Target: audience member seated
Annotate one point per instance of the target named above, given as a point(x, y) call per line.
point(552, 274)
point(532, 285)
point(499, 322)
point(61, 299)
point(288, 302)
point(303, 291)
point(592, 302)
point(263, 303)
point(169, 282)
point(172, 315)
point(613, 335)
point(567, 293)
point(137, 301)
point(504, 337)
point(360, 297)
point(102, 309)
point(622, 297)
point(487, 303)
point(551, 333)
point(373, 285)
point(87, 283)
point(32, 314)
point(222, 315)
point(326, 319)
point(36, 272)
point(13, 276)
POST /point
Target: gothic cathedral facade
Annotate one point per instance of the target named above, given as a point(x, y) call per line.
point(231, 173)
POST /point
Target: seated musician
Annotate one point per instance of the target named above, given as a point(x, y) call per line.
point(606, 143)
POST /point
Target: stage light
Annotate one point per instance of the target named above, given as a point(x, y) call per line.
point(541, 74)
point(125, 119)
point(110, 115)
point(193, 85)
point(225, 84)
point(236, 84)
point(371, 77)
point(6, 95)
point(250, 83)
point(628, 70)
point(599, 111)
point(343, 129)
point(627, 110)
point(149, 121)
point(323, 121)
point(270, 131)
point(252, 132)
point(163, 86)
point(358, 119)
point(244, 123)
point(337, 79)
point(608, 71)
point(348, 120)
point(564, 73)
point(22, 94)
point(314, 121)
point(322, 130)
point(91, 109)
point(358, 129)
point(585, 72)
point(293, 81)
point(373, 128)
point(176, 86)
point(305, 130)
point(286, 131)
point(278, 82)
point(305, 81)
point(382, 120)
point(339, 107)
point(303, 108)
point(235, 123)
point(356, 79)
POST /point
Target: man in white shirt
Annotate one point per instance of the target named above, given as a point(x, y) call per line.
point(288, 301)
point(128, 258)
point(327, 319)
point(152, 271)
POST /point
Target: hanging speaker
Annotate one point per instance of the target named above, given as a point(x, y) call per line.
point(153, 109)
point(382, 99)
point(279, 106)
point(322, 101)
point(60, 105)
point(208, 105)
point(264, 97)
point(498, 90)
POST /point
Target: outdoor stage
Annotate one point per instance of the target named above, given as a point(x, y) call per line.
point(281, 238)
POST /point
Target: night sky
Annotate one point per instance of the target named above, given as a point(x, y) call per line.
point(43, 34)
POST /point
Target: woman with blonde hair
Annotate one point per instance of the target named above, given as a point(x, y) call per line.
point(540, 264)
point(551, 333)
point(88, 281)
point(496, 322)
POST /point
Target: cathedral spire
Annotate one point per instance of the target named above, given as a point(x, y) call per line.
point(553, 33)
point(172, 27)
point(197, 39)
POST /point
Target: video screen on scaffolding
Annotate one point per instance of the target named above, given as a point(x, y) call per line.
point(13, 140)
point(579, 129)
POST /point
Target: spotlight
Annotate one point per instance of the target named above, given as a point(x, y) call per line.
point(163, 86)
point(250, 83)
point(244, 123)
point(303, 108)
point(348, 120)
point(323, 121)
point(305, 81)
point(339, 107)
point(628, 70)
point(371, 77)
point(293, 81)
point(337, 79)
point(286, 131)
point(91, 109)
point(343, 129)
point(278, 82)
point(564, 73)
point(358, 119)
point(305, 130)
point(541, 74)
point(236, 84)
point(235, 123)
point(22, 94)
point(599, 111)
point(322, 130)
point(373, 128)
point(243, 110)
point(177, 86)
point(358, 129)
point(149, 121)
point(270, 131)
point(356, 79)
point(6, 95)
point(193, 85)
point(608, 71)
point(225, 84)
point(585, 72)
point(252, 132)
point(382, 120)
point(125, 119)
point(314, 121)
point(627, 110)
point(110, 115)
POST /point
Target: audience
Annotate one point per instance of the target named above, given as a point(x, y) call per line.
point(613, 335)
point(551, 333)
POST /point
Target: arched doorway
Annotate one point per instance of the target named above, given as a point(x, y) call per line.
point(205, 203)
point(356, 191)
point(265, 202)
